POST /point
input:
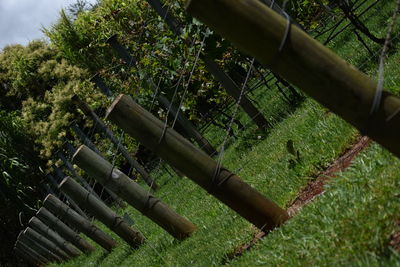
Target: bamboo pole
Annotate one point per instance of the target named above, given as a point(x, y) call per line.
point(43, 229)
point(51, 246)
point(100, 125)
point(82, 136)
point(101, 212)
point(304, 62)
point(65, 231)
point(188, 126)
point(73, 204)
point(33, 253)
point(85, 226)
point(195, 164)
point(40, 249)
point(75, 174)
point(134, 194)
point(29, 254)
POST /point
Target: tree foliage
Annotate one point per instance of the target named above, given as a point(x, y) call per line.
point(39, 83)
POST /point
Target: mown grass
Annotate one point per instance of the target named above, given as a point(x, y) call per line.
point(349, 225)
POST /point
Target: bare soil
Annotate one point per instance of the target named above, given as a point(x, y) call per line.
point(395, 240)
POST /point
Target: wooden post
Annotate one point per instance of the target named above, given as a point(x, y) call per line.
point(73, 204)
point(43, 229)
point(304, 62)
point(65, 231)
point(134, 194)
point(102, 127)
point(101, 212)
point(75, 174)
point(40, 249)
point(212, 67)
point(29, 254)
point(32, 234)
point(195, 164)
point(188, 127)
point(85, 226)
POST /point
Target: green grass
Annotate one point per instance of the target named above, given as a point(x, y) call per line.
point(349, 225)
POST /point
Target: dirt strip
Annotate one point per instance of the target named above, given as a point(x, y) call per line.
point(313, 189)
point(395, 240)
point(316, 186)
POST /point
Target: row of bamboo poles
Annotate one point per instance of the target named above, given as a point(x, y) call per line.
point(54, 233)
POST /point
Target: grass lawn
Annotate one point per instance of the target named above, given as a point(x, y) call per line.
point(349, 225)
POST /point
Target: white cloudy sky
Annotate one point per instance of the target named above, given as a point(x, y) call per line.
point(21, 20)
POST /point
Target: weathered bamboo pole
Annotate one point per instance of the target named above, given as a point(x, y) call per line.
point(101, 212)
point(188, 126)
point(212, 67)
point(82, 136)
point(40, 249)
point(31, 250)
point(61, 175)
point(195, 164)
point(73, 204)
point(102, 127)
point(304, 62)
point(51, 246)
point(134, 194)
point(45, 230)
point(65, 231)
point(75, 174)
point(29, 254)
point(85, 226)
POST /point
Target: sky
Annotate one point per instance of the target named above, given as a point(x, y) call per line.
point(21, 20)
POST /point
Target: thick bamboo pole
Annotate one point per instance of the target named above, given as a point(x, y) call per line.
point(101, 212)
point(73, 204)
point(86, 140)
point(75, 174)
point(100, 125)
point(303, 61)
point(56, 206)
point(40, 249)
point(43, 229)
point(134, 194)
point(46, 243)
point(65, 231)
point(29, 254)
point(188, 126)
point(195, 164)
point(31, 251)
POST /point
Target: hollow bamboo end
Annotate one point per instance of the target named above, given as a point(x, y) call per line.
point(48, 197)
point(64, 181)
point(19, 235)
point(94, 77)
point(75, 156)
point(31, 220)
point(40, 211)
point(113, 106)
point(112, 38)
point(75, 98)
